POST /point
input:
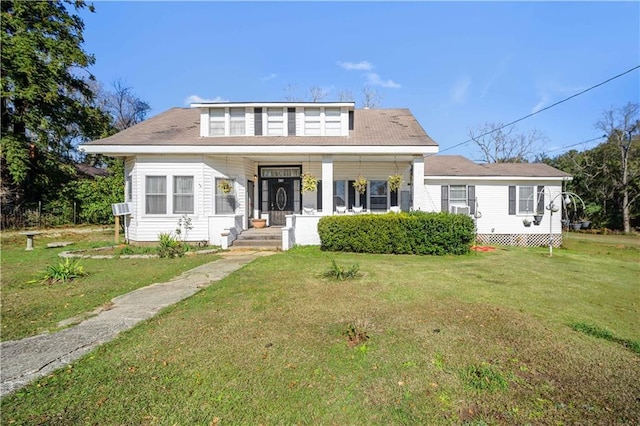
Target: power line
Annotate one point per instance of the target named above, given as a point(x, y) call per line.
point(575, 144)
point(544, 109)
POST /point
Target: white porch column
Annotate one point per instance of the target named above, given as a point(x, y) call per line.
point(419, 198)
point(327, 185)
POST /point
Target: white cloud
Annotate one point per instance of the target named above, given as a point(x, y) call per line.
point(460, 89)
point(269, 77)
point(375, 80)
point(358, 66)
point(195, 99)
point(540, 105)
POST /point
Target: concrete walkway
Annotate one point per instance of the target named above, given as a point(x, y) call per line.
point(23, 361)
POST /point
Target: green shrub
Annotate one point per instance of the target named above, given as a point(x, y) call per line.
point(64, 271)
point(404, 233)
point(169, 246)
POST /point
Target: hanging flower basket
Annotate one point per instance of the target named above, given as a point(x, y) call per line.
point(394, 182)
point(225, 186)
point(360, 185)
point(309, 183)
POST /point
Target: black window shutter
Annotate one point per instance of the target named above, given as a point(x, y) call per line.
point(350, 120)
point(444, 199)
point(540, 207)
point(394, 198)
point(512, 199)
point(291, 117)
point(351, 192)
point(319, 196)
point(257, 115)
point(471, 198)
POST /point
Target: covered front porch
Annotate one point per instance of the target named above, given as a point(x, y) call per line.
point(275, 191)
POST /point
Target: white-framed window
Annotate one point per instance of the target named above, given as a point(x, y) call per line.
point(129, 191)
point(526, 199)
point(237, 125)
point(339, 193)
point(225, 203)
point(183, 195)
point(312, 121)
point(332, 125)
point(458, 195)
point(275, 122)
point(378, 195)
point(216, 121)
point(155, 195)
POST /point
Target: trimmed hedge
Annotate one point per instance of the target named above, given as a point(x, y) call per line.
point(398, 233)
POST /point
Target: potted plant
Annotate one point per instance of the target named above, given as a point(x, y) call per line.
point(309, 183)
point(394, 182)
point(225, 186)
point(584, 223)
point(526, 222)
point(259, 222)
point(565, 222)
point(538, 217)
point(576, 226)
point(360, 185)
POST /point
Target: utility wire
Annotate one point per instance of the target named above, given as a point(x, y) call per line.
point(544, 109)
point(576, 144)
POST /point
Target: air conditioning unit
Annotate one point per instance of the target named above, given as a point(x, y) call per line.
point(121, 209)
point(460, 209)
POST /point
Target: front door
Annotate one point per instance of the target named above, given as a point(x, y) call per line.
point(280, 200)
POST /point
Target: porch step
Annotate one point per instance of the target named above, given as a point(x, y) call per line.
point(259, 239)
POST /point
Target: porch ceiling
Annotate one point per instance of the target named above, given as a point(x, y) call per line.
point(289, 159)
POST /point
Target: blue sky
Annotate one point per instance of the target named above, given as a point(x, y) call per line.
point(455, 65)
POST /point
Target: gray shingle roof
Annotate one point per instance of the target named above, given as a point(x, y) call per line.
point(181, 126)
point(457, 165)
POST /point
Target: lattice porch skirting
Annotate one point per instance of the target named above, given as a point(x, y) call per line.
point(522, 240)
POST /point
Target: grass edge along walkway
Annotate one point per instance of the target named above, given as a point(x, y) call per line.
point(33, 357)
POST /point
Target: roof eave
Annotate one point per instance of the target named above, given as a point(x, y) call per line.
point(118, 150)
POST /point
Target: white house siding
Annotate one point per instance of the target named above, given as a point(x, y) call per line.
point(232, 167)
point(145, 227)
point(496, 225)
point(204, 169)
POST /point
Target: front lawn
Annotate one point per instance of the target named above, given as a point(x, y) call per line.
point(30, 308)
point(487, 338)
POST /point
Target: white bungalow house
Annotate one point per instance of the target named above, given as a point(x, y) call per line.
point(176, 164)
point(504, 198)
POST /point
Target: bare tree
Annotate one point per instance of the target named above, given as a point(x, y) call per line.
point(317, 93)
point(620, 124)
point(502, 145)
point(371, 98)
point(125, 108)
point(291, 93)
point(345, 95)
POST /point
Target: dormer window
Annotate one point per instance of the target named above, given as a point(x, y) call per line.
point(324, 119)
point(227, 122)
point(216, 122)
point(312, 121)
point(332, 122)
point(275, 122)
point(237, 121)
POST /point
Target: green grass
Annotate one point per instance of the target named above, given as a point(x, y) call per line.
point(482, 339)
point(31, 306)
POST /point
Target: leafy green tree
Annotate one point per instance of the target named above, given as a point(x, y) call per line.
point(607, 177)
point(46, 102)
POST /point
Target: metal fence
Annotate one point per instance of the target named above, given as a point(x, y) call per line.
point(39, 215)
